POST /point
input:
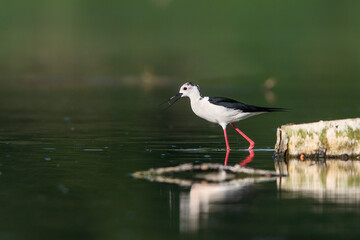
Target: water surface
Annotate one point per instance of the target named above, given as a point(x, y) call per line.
point(67, 155)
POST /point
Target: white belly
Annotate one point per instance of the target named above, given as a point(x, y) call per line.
point(217, 114)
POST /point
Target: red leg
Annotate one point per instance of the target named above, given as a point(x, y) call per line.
point(252, 144)
point(227, 147)
point(226, 140)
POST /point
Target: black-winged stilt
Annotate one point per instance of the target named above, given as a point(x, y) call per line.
point(220, 110)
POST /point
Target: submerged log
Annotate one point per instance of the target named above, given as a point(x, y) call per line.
point(337, 139)
point(205, 172)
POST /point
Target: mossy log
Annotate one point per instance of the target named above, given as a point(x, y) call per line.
point(337, 139)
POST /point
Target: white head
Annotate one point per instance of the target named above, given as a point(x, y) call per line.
point(190, 90)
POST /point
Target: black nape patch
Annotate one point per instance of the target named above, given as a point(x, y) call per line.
point(194, 84)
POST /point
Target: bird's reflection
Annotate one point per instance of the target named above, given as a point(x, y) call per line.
point(196, 204)
point(244, 162)
point(248, 159)
point(203, 198)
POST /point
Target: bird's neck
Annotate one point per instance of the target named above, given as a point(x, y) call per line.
point(195, 96)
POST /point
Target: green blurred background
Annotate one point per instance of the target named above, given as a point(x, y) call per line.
point(78, 40)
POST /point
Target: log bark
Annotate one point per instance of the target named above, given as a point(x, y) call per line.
point(336, 139)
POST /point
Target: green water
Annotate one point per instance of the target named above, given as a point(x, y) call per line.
point(80, 87)
point(67, 155)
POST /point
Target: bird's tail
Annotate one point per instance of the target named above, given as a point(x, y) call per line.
point(265, 109)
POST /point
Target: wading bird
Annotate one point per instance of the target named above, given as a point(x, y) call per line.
point(220, 110)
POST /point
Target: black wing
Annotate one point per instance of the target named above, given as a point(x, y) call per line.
point(230, 103)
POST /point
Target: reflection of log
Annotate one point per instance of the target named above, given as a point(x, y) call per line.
point(325, 138)
point(332, 179)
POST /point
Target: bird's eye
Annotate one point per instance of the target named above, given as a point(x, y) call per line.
point(185, 88)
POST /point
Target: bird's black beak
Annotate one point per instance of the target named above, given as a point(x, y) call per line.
point(172, 100)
